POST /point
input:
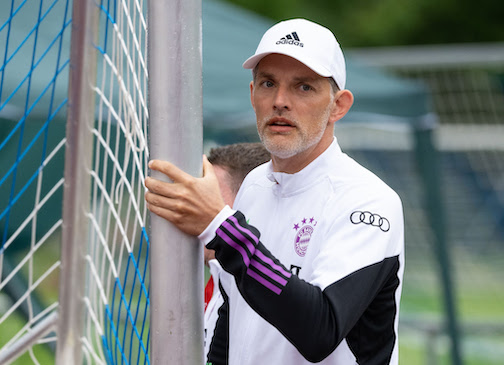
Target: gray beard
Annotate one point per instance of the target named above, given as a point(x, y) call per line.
point(300, 146)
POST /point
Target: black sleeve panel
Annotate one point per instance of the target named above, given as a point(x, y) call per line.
point(218, 351)
point(373, 337)
point(314, 321)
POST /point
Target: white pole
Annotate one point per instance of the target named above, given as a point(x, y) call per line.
point(76, 192)
point(176, 135)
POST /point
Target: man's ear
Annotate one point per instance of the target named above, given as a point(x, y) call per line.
point(252, 94)
point(343, 101)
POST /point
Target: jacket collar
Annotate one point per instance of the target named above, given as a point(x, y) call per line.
point(287, 184)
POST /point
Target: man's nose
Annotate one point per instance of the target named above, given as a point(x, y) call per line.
point(282, 99)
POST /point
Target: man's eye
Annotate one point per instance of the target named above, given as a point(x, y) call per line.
point(268, 83)
point(306, 87)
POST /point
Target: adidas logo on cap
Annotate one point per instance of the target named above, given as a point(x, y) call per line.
point(291, 38)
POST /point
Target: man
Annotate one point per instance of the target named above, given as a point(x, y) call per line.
point(315, 241)
point(231, 164)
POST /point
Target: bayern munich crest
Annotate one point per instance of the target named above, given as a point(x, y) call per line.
point(304, 231)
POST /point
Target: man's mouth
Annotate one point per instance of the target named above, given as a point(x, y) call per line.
point(280, 124)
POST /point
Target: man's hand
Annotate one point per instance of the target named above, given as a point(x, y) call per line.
point(190, 203)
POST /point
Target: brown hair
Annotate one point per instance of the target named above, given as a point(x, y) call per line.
point(238, 160)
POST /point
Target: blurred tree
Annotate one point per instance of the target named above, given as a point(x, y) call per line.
point(364, 23)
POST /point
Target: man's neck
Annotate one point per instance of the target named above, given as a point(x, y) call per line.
point(298, 162)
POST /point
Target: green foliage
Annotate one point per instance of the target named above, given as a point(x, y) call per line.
point(364, 23)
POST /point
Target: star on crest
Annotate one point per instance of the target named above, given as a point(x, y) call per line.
point(311, 221)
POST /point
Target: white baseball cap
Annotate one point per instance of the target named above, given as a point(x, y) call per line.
point(309, 43)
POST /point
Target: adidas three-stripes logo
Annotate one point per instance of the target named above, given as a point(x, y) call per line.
point(291, 38)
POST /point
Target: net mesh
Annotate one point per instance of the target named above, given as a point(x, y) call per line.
point(35, 48)
point(33, 66)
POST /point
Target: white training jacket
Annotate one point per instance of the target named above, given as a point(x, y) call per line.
point(317, 261)
point(214, 305)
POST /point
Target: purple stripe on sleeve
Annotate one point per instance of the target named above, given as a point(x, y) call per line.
point(238, 235)
point(270, 262)
point(235, 245)
point(259, 254)
point(268, 272)
point(244, 230)
point(264, 282)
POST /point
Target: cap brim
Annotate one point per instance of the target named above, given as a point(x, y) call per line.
point(252, 62)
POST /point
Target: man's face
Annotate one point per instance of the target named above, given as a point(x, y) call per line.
point(293, 106)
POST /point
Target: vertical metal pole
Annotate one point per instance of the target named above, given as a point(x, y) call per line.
point(176, 135)
point(76, 193)
point(428, 162)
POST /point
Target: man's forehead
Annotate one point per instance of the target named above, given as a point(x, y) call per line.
point(274, 64)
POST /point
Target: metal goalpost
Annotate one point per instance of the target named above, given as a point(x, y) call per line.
point(76, 192)
point(130, 284)
point(175, 110)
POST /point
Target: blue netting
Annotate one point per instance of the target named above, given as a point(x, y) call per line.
point(126, 317)
point(34, 66)
point(33, 61)
point(127, 341)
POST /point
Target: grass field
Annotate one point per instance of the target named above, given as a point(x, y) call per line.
point(479, 304)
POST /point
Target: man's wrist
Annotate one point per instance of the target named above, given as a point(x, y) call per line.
point(209, 233)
